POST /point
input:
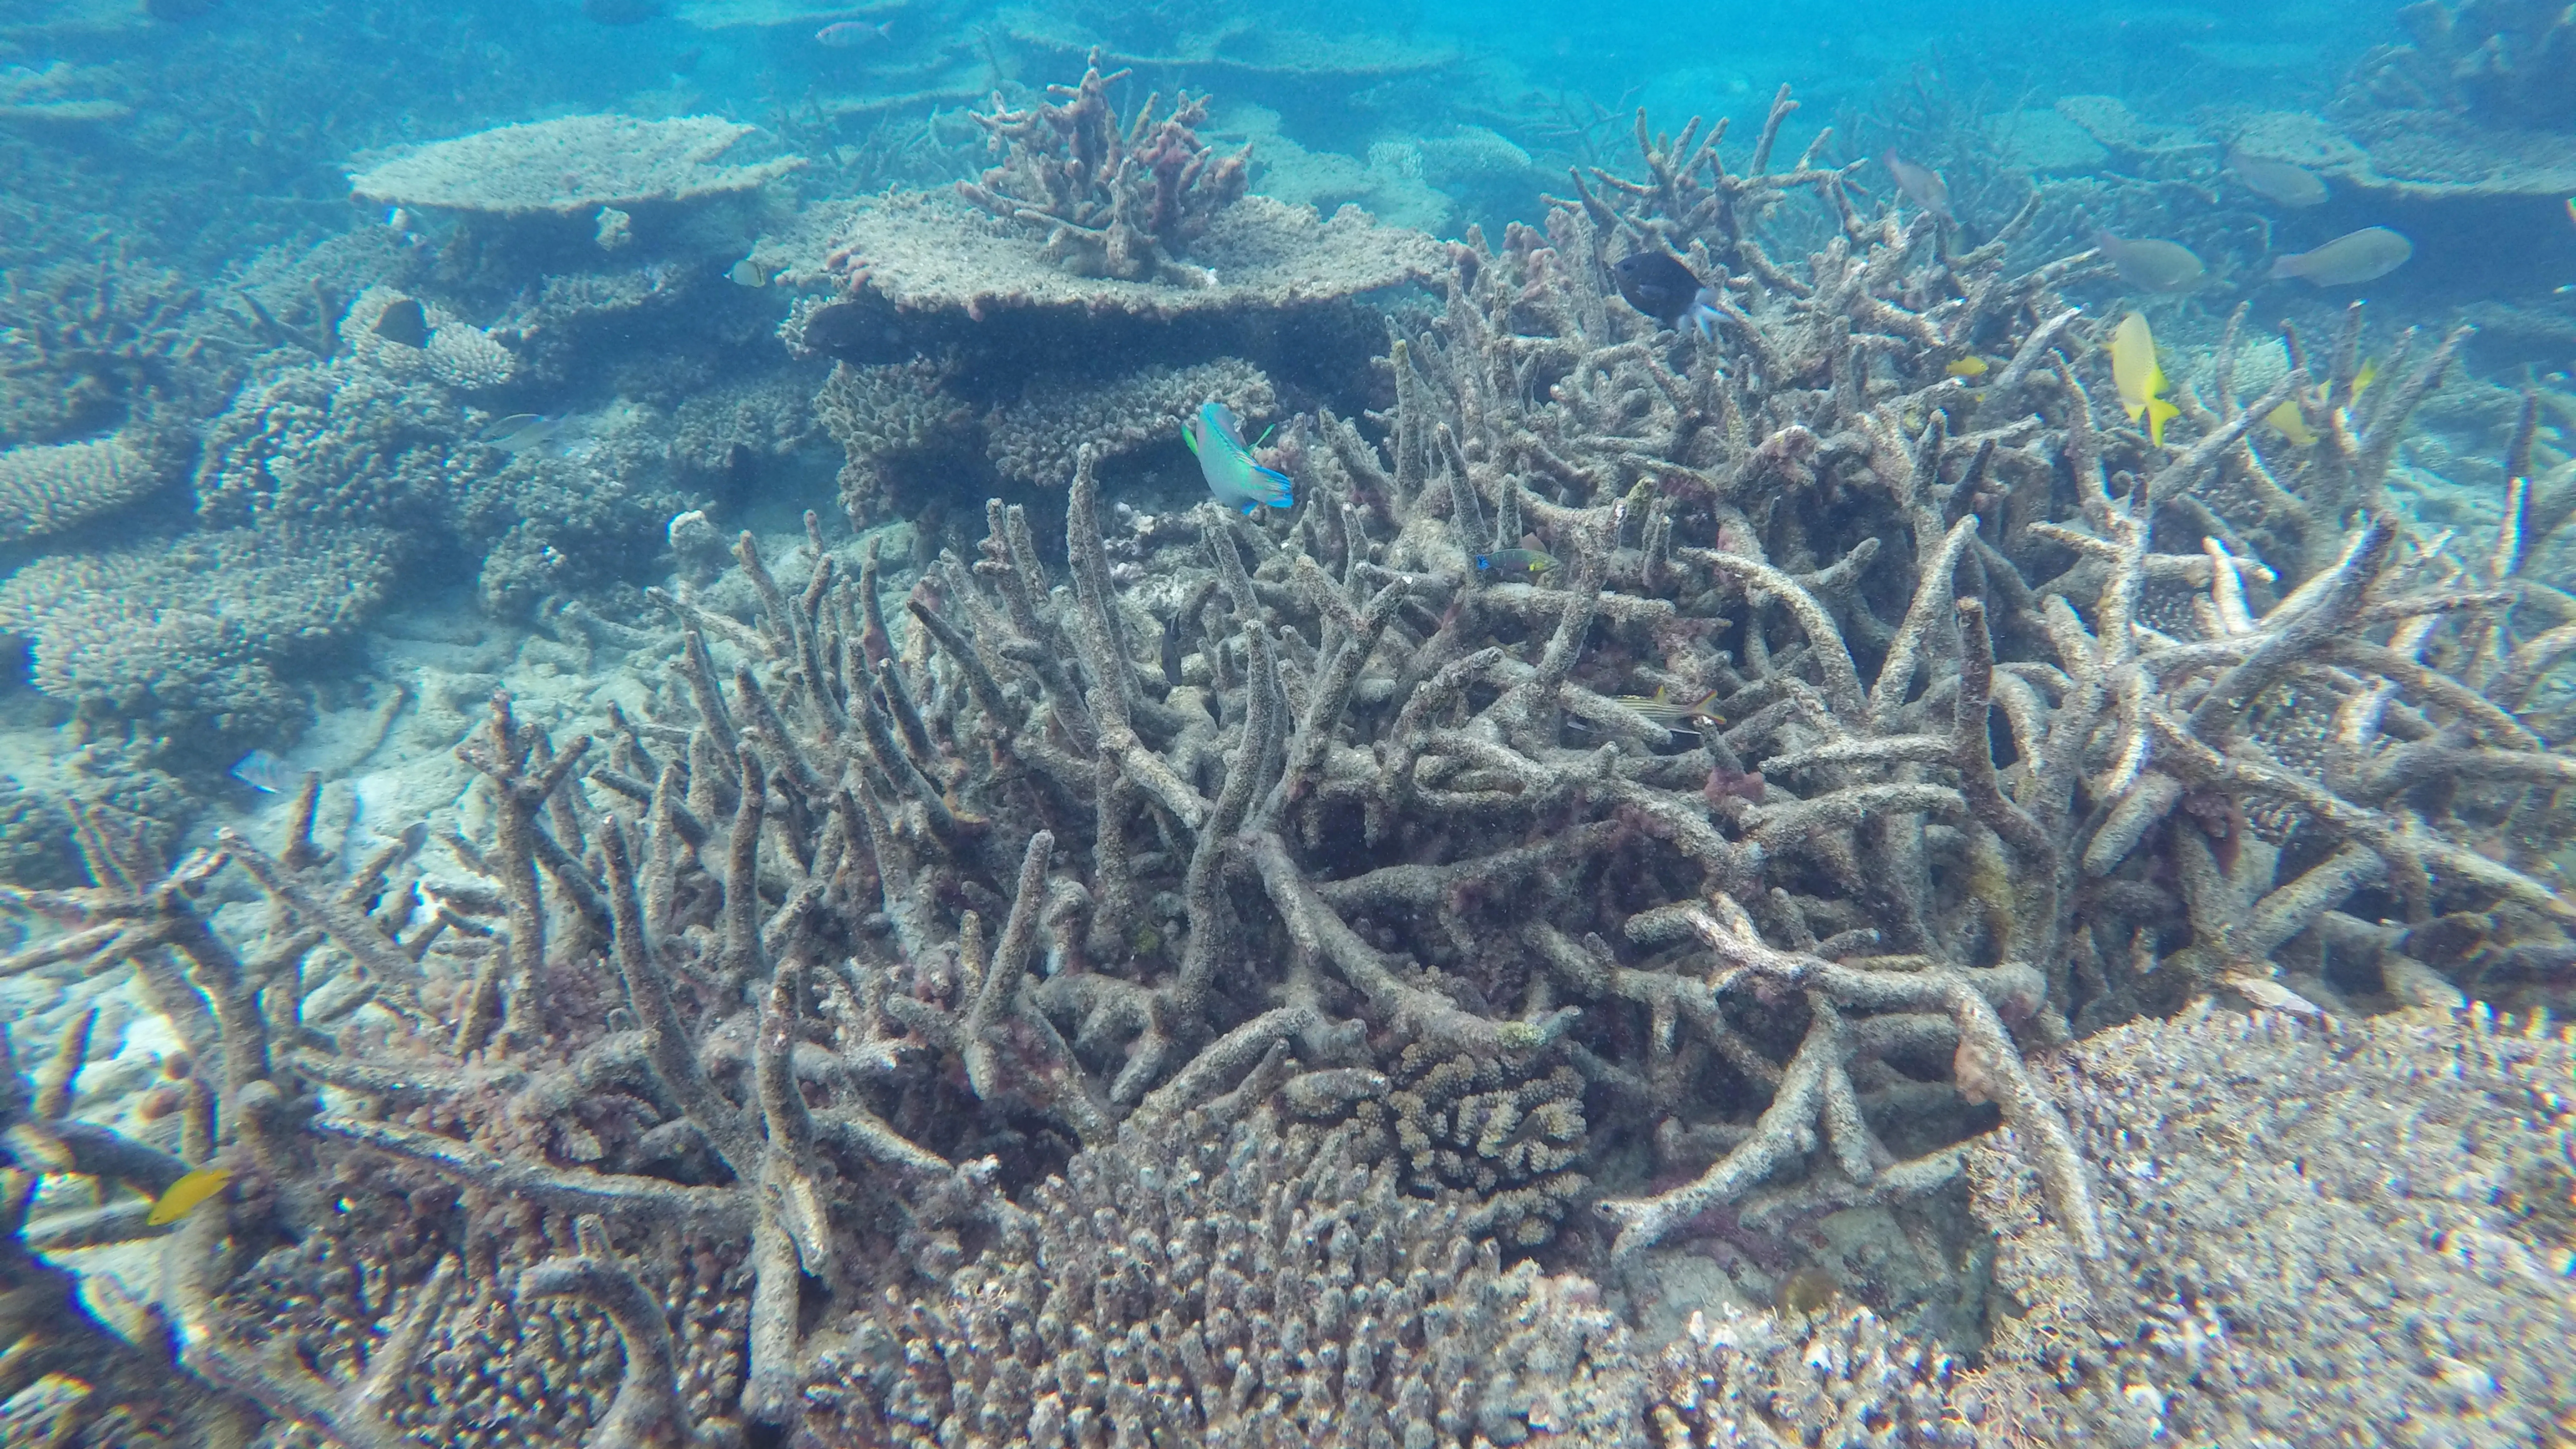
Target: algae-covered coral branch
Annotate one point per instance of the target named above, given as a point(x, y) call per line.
point(1115, 199)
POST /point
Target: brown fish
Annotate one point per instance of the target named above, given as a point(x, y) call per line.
point(2151, 264)
point(1921, 184)
point(2356, 256)
point(2276, 180)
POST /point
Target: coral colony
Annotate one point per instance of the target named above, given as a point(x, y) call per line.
point(1744, 827)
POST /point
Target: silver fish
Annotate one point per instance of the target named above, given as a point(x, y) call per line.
point(2276, 180)
point(2356, 256)
point(521, 431)
point(747, 273)
point(268, 774)
point(1921, 184)
point(2152, 264)
point(851, 34)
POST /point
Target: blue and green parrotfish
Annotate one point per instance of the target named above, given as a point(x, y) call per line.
point(1216, 435)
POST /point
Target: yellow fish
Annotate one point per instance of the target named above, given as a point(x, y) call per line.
point(2140, 381)
point(183, 1196)
point(1967, 367)
point(2294, 425)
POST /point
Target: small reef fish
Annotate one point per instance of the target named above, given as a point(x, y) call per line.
point(267, 774)
point(851, 34)
point(1807, 1291)
point(1657, 284)
point(404, 322)
point(1968, 367)
point(2293, 424)
point(1216, 435)
point(2276, 181)
point(1921, 184)
point(747, 273)
point(1172, 651)
point(2151, 264)
point(181, 1198)
point(1515, 561)
point(2356, 256)
point(1673, 714)
point(2141, 381)
point(521, 431)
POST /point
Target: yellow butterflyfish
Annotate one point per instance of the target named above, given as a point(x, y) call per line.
point(2140, 381)
point(1968, 367)
point(182, 1197)
point(2294, 425)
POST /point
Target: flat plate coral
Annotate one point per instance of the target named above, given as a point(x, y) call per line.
point(930, 253)
point(570, 164)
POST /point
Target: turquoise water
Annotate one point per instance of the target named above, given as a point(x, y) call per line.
point(734, 723)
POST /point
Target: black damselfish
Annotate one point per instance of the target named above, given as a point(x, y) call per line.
point(1657, 284)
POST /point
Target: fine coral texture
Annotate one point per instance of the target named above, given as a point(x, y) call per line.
point(572, 164)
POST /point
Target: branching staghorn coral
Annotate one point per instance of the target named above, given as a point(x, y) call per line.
point(1115, 200)
point(893, 953)
point(88, 347)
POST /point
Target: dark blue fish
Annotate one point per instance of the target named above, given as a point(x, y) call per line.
point(1657, 284)
point(1511, 561)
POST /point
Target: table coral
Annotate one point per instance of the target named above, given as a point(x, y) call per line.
point(572, 164)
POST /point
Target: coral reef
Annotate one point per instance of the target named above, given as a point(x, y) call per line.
point(1112, 198)
point(938, 311)
point(2316, 1231)
point(1290, 985)
point(86, 347)
point(197, 631)
point(891, 420)
point(50, 487)
point(572, 164)
point(454, 354)
point(923, 252)
point(1037, 437)
point(1499, 1131)
point(2508, 62)
point(337, 442)
point(1254, 1287)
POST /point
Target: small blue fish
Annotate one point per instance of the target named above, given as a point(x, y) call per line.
point(268, 774)
point(1509, 561)
point(1216, 435)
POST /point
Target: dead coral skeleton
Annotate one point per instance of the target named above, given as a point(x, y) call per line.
point(865, 950)
point(1115, 200)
